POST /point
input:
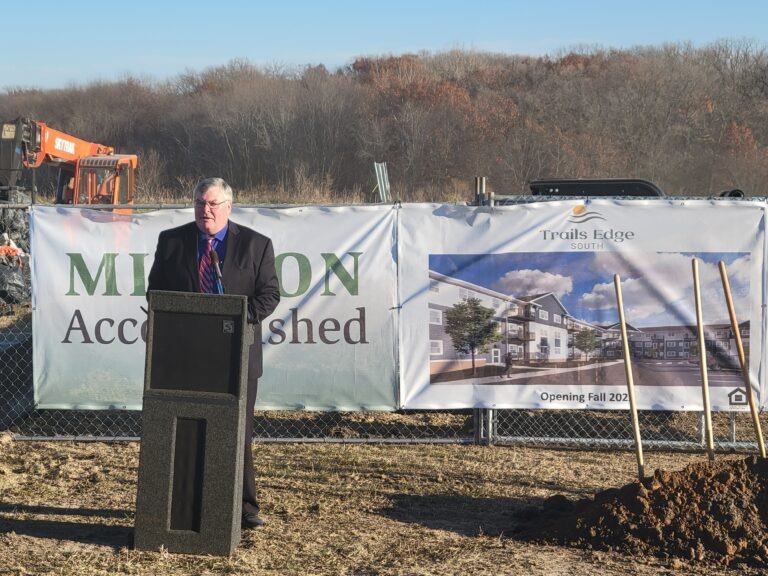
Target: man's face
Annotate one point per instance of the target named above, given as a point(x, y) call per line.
point(212, 211)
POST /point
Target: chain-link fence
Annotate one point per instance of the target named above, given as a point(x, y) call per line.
point(613, 428)
point(571, 428)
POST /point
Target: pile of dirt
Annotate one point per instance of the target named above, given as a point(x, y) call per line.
point(709, 512)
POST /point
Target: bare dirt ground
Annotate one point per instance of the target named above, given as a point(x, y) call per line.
point(365, 510)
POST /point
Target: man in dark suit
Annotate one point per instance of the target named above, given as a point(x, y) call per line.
point(183, 264)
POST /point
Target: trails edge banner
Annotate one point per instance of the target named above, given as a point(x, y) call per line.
point(515, 307)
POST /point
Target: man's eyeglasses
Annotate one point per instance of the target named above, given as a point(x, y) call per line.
point(200, 205)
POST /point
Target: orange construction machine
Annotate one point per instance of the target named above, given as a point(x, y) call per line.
point(88, 173)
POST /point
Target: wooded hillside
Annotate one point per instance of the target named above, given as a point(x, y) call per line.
point(693, 120)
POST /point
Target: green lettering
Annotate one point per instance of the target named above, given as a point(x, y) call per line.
point(305, 273)
point(107, 266)
point(333, 264)
point(139, 282)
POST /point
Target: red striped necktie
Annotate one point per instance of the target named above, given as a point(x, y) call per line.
point(205, 269)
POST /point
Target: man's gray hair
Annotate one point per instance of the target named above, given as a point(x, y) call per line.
point(203, 186)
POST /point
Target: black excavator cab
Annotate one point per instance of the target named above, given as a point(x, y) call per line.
point(15, 138)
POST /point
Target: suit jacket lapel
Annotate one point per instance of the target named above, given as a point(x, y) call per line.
point(233, 242)
point(190, 243)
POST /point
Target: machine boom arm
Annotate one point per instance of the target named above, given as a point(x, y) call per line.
point(57, 146)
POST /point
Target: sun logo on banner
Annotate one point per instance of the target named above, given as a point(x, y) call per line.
point(580, 214)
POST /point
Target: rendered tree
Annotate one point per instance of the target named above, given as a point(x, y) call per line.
point(586, 341)
point(470, 326)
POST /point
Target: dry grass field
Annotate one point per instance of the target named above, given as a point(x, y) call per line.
point(365, 510)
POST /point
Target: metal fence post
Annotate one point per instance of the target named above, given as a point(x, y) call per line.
point(480, 197)
point(478, 423)
point(491, 426)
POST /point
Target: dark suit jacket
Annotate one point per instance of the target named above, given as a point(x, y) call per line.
point(248, 270)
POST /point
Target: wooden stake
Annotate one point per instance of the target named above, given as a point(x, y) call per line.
point(703, 363)
point(742, 358)
point(630, 381)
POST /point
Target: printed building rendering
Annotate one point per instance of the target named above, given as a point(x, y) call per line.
point(537, 329)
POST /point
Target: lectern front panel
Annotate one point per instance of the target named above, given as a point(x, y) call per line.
point(201, 357)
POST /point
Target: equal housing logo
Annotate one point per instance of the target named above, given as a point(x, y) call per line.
point(584, 236)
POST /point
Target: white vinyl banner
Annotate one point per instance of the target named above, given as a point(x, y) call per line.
point(516, 307)
point(330, 345)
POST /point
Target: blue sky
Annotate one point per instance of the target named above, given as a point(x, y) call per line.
point(657, 288)
point(51, 44)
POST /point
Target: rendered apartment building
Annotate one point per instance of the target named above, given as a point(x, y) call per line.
point(672, 342)
point(532, 328)
point(538, 329)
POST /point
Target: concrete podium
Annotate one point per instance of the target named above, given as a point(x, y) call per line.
point(189, 496)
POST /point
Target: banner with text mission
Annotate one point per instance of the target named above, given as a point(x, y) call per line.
point(330, 345)
point(515, 306)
